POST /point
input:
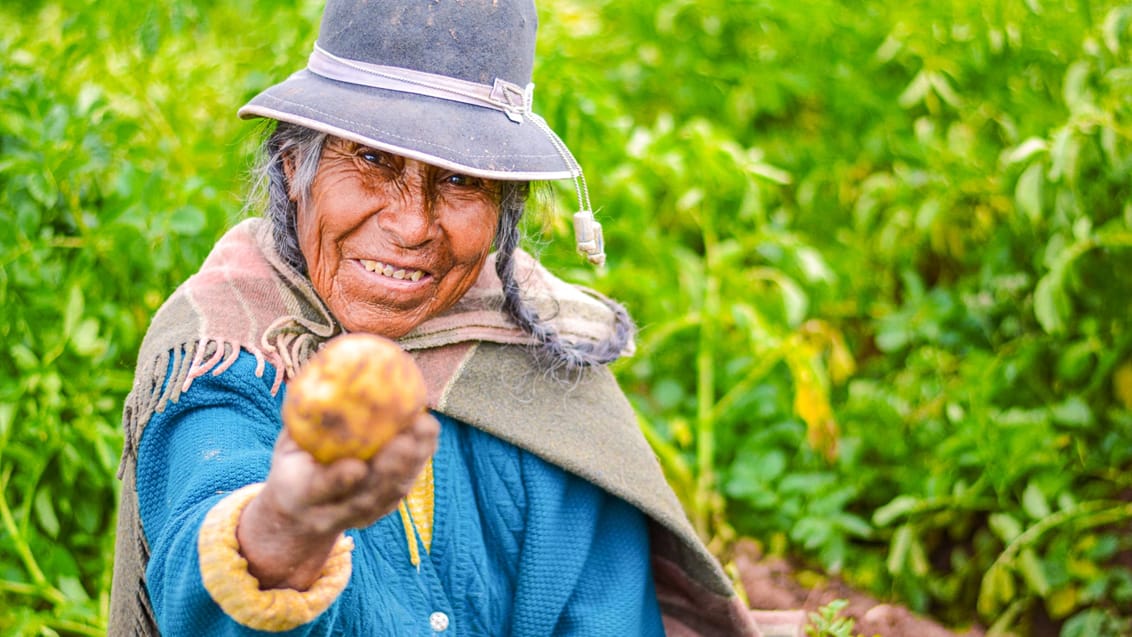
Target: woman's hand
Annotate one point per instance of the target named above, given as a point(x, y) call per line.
point(288, 530)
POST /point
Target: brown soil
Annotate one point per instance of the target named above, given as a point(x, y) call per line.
point(771, 584)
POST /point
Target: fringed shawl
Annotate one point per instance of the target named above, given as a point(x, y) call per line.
point(478, 369)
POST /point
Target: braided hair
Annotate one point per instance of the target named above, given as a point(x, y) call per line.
point(552, 352)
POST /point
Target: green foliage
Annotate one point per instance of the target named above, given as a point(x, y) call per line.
point(877, 252)
point(114, 181)
point(827, 622)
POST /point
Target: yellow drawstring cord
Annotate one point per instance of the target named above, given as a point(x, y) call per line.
point(410, 536)
point(417, 511)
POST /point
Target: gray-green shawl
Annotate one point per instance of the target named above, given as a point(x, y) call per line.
point(478, 369)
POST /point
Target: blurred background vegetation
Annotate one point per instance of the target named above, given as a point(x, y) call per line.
point(879, 253)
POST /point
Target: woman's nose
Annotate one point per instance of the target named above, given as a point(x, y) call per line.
point(409, 217)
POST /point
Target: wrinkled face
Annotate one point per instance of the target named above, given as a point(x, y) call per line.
point(390, 242)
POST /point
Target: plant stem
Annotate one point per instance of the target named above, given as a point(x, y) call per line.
point(43, 587)
point(1096, 513)
point(76, 627)
point(657, 335)
point(740, 389)
point(705, 382)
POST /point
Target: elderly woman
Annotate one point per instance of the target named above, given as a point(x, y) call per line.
point(525, 502)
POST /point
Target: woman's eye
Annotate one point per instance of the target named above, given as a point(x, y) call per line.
point(462, 180)
point(375, 157)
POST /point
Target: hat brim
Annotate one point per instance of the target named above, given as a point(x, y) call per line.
point(474, 140)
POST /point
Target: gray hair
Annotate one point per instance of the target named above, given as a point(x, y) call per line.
point(272, 190)
point(304, 146)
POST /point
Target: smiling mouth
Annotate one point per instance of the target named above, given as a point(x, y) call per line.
point(385, 269)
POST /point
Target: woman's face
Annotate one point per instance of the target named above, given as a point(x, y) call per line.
point(390, 242)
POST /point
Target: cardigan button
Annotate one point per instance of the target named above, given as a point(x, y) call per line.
point(438, 621)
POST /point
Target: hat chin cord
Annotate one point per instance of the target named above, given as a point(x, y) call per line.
point(514, 101)
point(587, 230)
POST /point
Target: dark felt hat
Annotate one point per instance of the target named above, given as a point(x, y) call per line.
point(446, 82)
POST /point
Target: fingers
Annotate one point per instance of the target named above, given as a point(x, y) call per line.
point(389, 475)
point(350, 493)
point(309, 481)
point(404, 456)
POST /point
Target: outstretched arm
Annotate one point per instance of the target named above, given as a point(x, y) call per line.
point(222, 435)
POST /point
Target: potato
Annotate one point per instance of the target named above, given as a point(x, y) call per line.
point(353, 397)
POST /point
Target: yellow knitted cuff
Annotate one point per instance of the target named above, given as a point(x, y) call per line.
point(237, 592)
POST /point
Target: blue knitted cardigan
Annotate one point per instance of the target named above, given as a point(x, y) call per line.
point(519, 547)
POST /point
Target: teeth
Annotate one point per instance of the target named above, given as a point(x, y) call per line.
point(390, 271)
